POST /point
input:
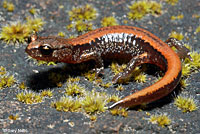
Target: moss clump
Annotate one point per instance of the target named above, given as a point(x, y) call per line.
point(7, 81)
point(90, 76)
point(32, 11)
point(120, 87)
point(141, 8)
point(35, 24)
point(93, 117)
point(81, 18)
point(18, 32)
point(47, 93)
point(176, 35)
point(186, 104)
point(116, 68)
point(184, 83)
point(8, 6)
point(186, 69)
point(82, 26)
point(86, 12)
point(15, 32)
point(106, 85)
point(66, 104)
point(22, 86)
point(138, 75)
point(29, 97)
point(41, 62)
point(119, 111)
point(177, 17)
point(198, 29)
point(113, 98)
point(172, 2)
point(162, 120)
point(61, 34)
point(72, 80)
point(74, 90)
point(13, 117)
point(2, 70)
point(108, 21)
point(189, 66)
point(195, 63)
point(94, 102)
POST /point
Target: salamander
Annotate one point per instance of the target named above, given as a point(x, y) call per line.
point(125, 42)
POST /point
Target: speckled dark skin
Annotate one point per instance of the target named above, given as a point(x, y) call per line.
point(125, 42)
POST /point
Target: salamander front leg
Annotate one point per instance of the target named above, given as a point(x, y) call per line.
point(134, 62)
point(99, 67)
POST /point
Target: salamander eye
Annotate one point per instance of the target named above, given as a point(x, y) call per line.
point(46, 49)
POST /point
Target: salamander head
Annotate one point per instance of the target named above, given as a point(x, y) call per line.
point(50, 49)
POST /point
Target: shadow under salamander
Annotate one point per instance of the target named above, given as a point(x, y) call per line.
point(53, 76)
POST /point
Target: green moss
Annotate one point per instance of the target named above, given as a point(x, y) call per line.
point(70, 26)
point(61, 34)
point(162, 120)
point(119, 111)
point(195, 63)
point(81, 18)
point(15, 32)
point(22, 86)
point(82, 26)
point(120, 87)
point(184, 83)
point(188, 66)
point(198, 29)
point(29, 97)
point(116, 68)
point(32, 11)
point(177, 17)
point(94, 102)
point(138, 75)
point(106, 85)
point(155, 8)
point(74, 90)
point(93, 117)
point(72, 79)
point(2, 71)
point(66, 104)
point(35, 24)
point(186, 104)
point(172, 2)
point(7, 81)
point(47, 93)
point(176, 35)
point(8, 6)
point(108, 21)
point(86, 12)
point(90, 76)
point(41, 62)
point(13, 117)
point(113, 98)
point(141, 8)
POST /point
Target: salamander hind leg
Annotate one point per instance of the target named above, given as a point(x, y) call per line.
point(133, 63)
point(181, 50)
